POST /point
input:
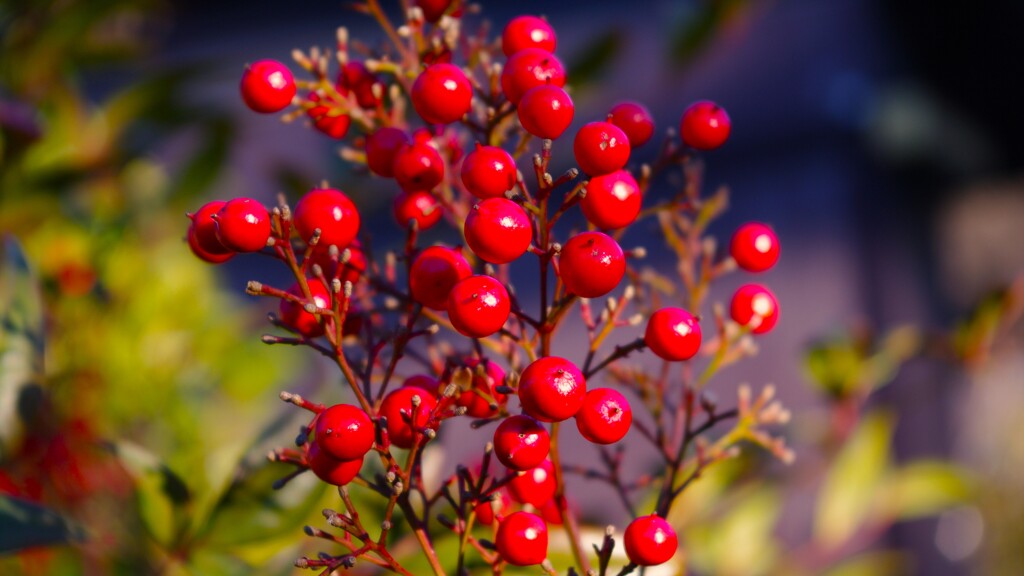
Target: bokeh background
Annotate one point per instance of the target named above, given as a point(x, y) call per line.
point(880, 139)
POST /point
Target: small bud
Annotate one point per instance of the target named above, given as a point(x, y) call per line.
point(254, 288)
point(450, 390)
point(309, 530)
point(336, 286)
point(430, 433)
point(316, 270)
point(348, 289)
point(415, 400)
point(385, 525)
point(639, 252)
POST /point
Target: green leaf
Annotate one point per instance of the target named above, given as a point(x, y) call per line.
point(873, 564)
point(25, 524)
point(924, 488)
point(595, 59)
point(848, 491)
point(162, 494)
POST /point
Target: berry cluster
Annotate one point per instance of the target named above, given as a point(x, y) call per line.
point(377, 318)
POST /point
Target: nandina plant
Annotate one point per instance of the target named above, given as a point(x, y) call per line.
point(429, 333)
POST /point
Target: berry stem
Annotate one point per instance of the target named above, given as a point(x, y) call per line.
point(568, 519)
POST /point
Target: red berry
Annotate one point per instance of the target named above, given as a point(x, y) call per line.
point(673, 334)
point(601, 148)
point(202, 234)
point(295, 315)
point(331, 470)
point(650, 540)
point(535, 486)
point(754, 247)
point(381, 148)
point(333, 267)
point(551, 512)
point(521, 443)
point(485, 510)
point(591, 264)
point(635, 120)
point(488, 172)
point(267, 86)
point(481, 394)
point(433, 9)
point(326, 119)
point(243, 225)
point(422, 207)
point(332, 212)
point(545, 111)
point(551, 389)
point(705, 126)
point(422, 382)
point(344, 432)
point(355, 76)
point(498, 230)
point(755, 306)
point(418, 166)
point(527, 32)
point(528, 69)
point(612, 201)
point(478, 306)
point(442, 94)
point(605, 416)
point(522, 539)
point(400, 428)
point(433, 274)
point(202, 253)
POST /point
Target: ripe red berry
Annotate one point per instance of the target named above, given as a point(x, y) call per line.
point(325, 118)
point(605, 416)
point(434, 273)
point(488, 172)
point(635, 120)
point(522, 539)
point(355, 76)
point(528, 69)
point(344, 432)
point(650, 540)
point(705, 125)
point(551, 389)
point(202, 234)
point(527, 32)
point(381, 148)
point(433, 9)
point(422, 382)
point(331, 470)
point(442, 94)
point(418, 166)
point(498, 230)
point(612, 201)
point(332, 212)
point(422, 207)
point(755, 306)
point(545, 111)
point(481, 394)
point(754, 247)
point(521, 443)
point(401, 429)
point(295, 315)
point(551, 512)
point(478, 306)
point(243, 225)
point(601, 148)
point(673, 334)
point(535, 486)
point(267, 86)
point(202, 253)
point(591, 264)
point(486, 510)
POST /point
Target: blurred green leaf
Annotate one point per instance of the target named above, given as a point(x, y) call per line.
point(595, 58)
point(161, 493)
point(857, 363)
point(873, 564)
point(924, 488)
point(696, 31)
point(25, 524)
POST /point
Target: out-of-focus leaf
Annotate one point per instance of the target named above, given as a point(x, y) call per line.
point(162, 494)
point(697, 30)
point(848, 491)
point(595, 58)
point(923, 488)
point(873, 564)
point(742, 542)
point(25, 524)
point(856, 363)
point(202, 169)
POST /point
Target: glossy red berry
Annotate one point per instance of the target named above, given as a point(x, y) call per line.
point(635, 120)
point(332, 212)
point(442, 94)
point(612, 201)
point(423, 382)
point(601, 148)
point(202, 234)
point(433, 9)
point(705, 125)
point(357, 78)
point(331, 470)
point(481, 400)
point(498, 230)
point(605, 416)
point(650, 540)
point(418, 166)
point(551, 389)
point(434, 273)
point(478, 306)
point(243, 225)
point(295, 316)
point(528, 69)
point(551, 512)
point(202, 253)
point(535, 486)
point(344, 432)
point(488, 172)
point(326, 119)
point(422, 207)
point(522, 539)
point(267, 86)
point(381, 148)
point(591, 264)
point(673, 334)
point(546, 111)
point(524, 32)
point(521, 443)
point(398, 409)
point(754, 247)
point(755, 306)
